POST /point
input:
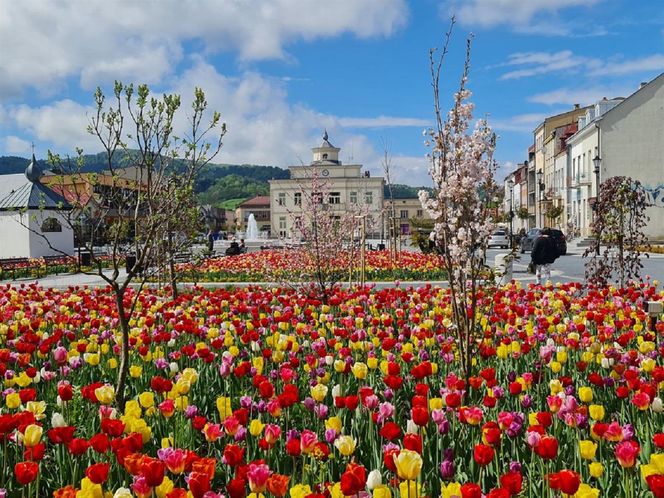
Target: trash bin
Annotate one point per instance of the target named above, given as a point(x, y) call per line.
point(86, 258)
point(503, 269)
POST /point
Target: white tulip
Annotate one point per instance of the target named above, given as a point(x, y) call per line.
point(57, 420)
point(374, 479)
point(657, 405)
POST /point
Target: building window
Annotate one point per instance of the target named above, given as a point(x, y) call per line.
point(405, 229)
point(282, 226)
point(324, 156)
point(297, 222)
point(51, 225)
point(420, 213)
point(335, 198)
point(353, 197)
point(298, 198)
point(403, 214)
point(368, 197)
point(281, 199)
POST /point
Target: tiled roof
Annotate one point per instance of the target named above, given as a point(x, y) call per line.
point(17, 192)
point(259, 200)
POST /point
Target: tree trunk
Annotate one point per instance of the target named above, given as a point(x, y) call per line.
point(124, 353)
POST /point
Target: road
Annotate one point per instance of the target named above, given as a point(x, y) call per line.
point(571, 267)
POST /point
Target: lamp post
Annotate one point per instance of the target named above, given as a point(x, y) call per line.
point(540, 183)
point(510, 184)
point(597, 162)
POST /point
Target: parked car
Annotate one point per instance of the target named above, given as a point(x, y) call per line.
point(499, 238)
point(557, 236)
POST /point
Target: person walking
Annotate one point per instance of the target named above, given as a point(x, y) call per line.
point(544, 253)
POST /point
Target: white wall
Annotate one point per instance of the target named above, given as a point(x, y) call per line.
point(632, 144)
point(61, 242)
point(14, 239)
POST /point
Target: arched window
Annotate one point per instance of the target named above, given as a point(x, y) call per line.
point(51, 225)
point(324, 156)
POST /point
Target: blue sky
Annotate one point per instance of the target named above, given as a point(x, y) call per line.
point(280, 71)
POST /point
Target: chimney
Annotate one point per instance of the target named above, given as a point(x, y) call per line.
point(643, 83)
point(577, 106)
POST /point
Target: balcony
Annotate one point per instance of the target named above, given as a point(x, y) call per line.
point(581, 180)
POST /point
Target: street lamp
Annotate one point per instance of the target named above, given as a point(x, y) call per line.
point(597, 161)
point(540, 182)
point(510, 184)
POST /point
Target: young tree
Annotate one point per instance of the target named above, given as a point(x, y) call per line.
point(325, 237)
point(145, 208)
point(619, 230)
point(462, 169)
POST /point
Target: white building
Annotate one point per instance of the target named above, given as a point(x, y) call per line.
point(628, 137)
point(348, 190)
point(32, 217)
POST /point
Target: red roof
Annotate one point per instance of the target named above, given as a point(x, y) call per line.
point(258, 201)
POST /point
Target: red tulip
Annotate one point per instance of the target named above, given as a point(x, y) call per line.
point(471, 490)
point(153, 471)
point(413, 442)
point(420, 415)
point(26, 472)
point(483, 454)
point(656, 485)
point(566, 481)
point(453, 400)
point(626, 453)
point(236, 488)
point(547, 448)
point(97, 473)
point(512, 481)
point(354, 479)
point(657, 439)
point(390, 431)
point(199, 484)
point(233, 455)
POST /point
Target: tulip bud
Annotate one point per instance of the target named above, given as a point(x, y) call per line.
point(374, 479)
point(411, 427)
point(657, 405)
point(57, 420)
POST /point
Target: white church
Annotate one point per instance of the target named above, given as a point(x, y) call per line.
point(33, 218)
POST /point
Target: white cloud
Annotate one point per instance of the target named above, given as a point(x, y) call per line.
point(581, 95)
point(520, 123)
point(519, 13)
point(62, 123)
point(383, 122)
point(652, 63)
point(545, 62)
point(46, 43)
point(16, 145)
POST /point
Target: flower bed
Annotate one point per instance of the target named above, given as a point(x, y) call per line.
point(277, 265)
point(269, 392)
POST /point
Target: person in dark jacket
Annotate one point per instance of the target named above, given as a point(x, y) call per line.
point(544, 253)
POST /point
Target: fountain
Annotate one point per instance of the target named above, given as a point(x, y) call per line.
point(252, 228)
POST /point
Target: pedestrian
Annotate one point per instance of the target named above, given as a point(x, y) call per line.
point(243, 248)
point(544, 253)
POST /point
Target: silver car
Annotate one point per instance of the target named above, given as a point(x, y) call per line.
point(499, 238)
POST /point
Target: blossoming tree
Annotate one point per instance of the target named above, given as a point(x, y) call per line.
point(461, 167)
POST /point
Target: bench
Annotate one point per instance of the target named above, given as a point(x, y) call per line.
point(14, 264)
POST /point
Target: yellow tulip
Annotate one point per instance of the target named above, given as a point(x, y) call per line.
point(359, 370)
point(333, 423)
point(586, 491)
point(318, 392)
point(256, 427)
point(382, 492)
point(135, 371)
point(345, 445)
point(410, 488)
point(409, 464)
point(555, 367)
point(32, 435)
point(587, 449)
point(13, 401)
point(451, 490)
point(300, 491)
point(224, 407)
point(105, 394)
point(596, 469)
point(596, 412)
point(585, 394)
point(146, 399)
point(37, 408)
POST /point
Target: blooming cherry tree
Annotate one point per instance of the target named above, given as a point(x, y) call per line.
point(462, 169)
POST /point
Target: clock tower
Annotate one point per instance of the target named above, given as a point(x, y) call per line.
point(326, 153)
